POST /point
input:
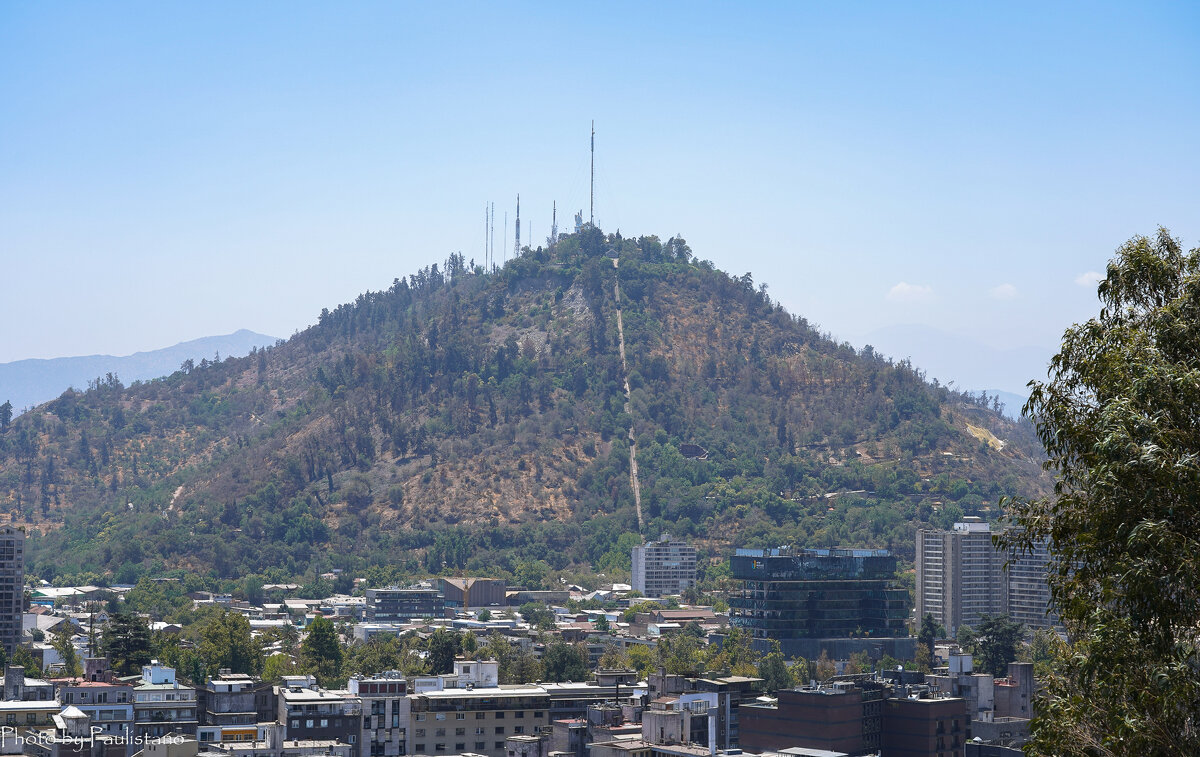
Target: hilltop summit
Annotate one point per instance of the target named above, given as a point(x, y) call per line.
point(471, 418)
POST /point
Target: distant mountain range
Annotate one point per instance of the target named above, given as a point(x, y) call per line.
point(27, 383)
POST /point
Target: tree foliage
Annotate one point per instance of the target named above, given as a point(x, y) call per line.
point(321, 651)
point(774, 670)
point(63, 644)
point(1118, 418)
point(928, 633)
point(443, 647)
point(993, 644)
point(126, 642)
point(226, 642)
point(565, 662)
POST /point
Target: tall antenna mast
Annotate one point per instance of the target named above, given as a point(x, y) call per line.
point(485, 236)
point(505, 234)
point(492, 252)
point(554, 224)
point(517, 243)
point(592, 201)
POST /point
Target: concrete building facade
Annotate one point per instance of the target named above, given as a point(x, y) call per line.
point(12, 586)
point(664, 567)
point(960, 575)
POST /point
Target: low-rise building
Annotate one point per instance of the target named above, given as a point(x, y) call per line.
point(108, 705)
point(915, 725)
point(386, 713)
point(236, 699)
point(731, 692)
point(162, 704)
point(308, 712)
point(398, 605)
point(476, 719)
point(844, 717)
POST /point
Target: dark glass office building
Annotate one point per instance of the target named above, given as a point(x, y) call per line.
point(800, 597)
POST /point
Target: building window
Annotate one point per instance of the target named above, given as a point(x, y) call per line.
point(420, 748)
point(499, 744)
point(420, 716)
point(420, 732)
point(537, 713)
point(479, 731)
point(460, 716)
point(519, 729)
point(439, 747)
point(499, 730)
point(324, 723)
point(499, 716)
point(481, 745)
point(440, 732)
point(479, 716)
point(440, 716)
point(308, 724)
point(460, 746)
point(460, 731)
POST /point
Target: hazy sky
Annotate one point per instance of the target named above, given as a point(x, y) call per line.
point(169, 171)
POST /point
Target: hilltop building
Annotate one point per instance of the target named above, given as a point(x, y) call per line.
point(664, 567)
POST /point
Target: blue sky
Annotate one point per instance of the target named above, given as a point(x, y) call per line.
point(169, 171)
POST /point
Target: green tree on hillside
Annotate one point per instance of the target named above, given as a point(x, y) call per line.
point(1118, 419)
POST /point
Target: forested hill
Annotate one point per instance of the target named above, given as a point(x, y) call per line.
point(471, 419)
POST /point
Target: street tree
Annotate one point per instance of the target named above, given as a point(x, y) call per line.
point(321, 650)
point(565, 662)
point(226, 642)
point(126, 642)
